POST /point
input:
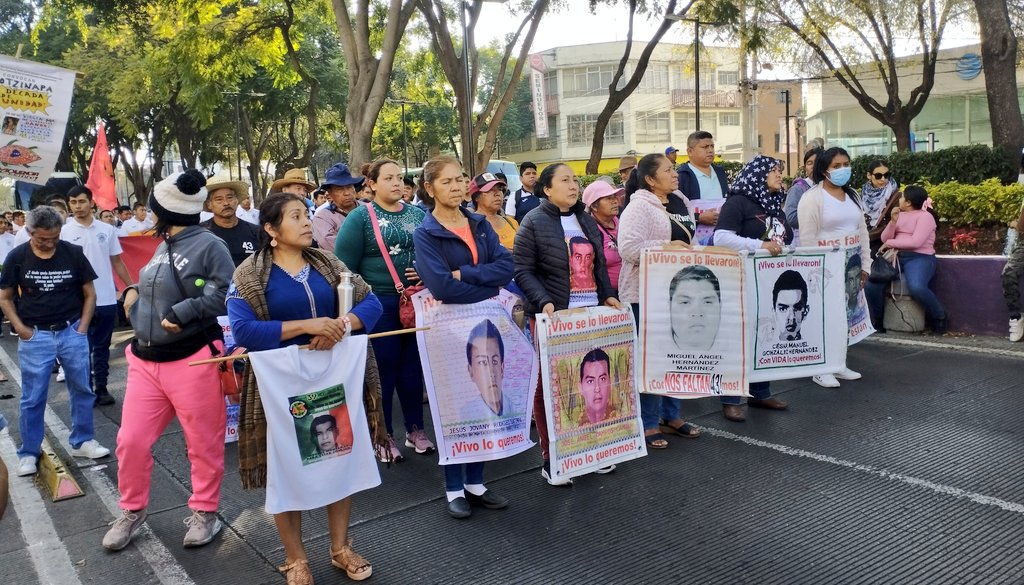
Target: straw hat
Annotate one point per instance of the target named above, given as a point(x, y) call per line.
point(292, 177)
point(223, 181)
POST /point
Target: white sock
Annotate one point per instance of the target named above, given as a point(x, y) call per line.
point(456, 494)
point(477, 489)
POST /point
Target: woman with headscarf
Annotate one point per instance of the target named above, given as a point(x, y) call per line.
point(831, 214)
point(285, 295)
point(647, 223)
point(879, 195)
point(752, 219)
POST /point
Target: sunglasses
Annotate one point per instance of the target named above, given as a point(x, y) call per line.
point(880, 176)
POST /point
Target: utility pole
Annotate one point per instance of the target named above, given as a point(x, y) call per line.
point(789, 163)
point(696, 59)
point(468, 148)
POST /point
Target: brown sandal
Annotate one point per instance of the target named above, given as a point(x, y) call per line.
point(348, 560)
point(297, 572)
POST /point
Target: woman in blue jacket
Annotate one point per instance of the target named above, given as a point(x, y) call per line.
point(461, 261)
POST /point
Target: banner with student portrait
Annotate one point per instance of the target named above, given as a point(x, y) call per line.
point(480, 373)
point(797, 306)
point(35, 101)
point(705, 234)
point(318, 440)
point(692, 333)
point(858, 320)
point(590, 398)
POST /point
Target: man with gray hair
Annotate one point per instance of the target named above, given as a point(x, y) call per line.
point(53, 282)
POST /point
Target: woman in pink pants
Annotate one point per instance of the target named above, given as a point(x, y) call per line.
point(174, 310)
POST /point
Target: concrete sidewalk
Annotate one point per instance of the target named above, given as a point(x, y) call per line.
point(911, 475)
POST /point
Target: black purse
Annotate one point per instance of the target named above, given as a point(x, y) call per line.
point(883, 271)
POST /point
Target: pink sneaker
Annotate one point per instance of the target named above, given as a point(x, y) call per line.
point(390, 452)
point(417, 439)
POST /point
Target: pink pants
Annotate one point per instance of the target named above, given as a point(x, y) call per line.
point(156, 393)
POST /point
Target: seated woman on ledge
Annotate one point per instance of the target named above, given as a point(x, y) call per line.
point(911, 232)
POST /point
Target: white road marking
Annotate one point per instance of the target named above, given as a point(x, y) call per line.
point(872, 470)
point(49, 555)
point(165, 566)
point(946, 346)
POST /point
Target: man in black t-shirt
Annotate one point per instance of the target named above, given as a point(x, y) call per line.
point(222, 199)
point(52, 281)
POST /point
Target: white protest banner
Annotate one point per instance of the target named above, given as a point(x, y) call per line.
point(796, 301)
point(590, 398)
point(692, 340)
point(231, 402)
point(858, 320)
point(318, 441)
point(35, 100)
point(705, 233)
point(480, 372)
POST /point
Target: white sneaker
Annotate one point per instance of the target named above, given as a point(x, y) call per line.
point(60, 374)
point(27, 466)
point(847, 374)
point(566, 481)
point(1016, 329)
point(90, 449)
point(826, 381)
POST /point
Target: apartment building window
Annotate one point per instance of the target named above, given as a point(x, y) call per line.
point(551, 83)
point(581, 129)
point(589, 81)
point(655, 79)
point(652, 127)
point(684, 79)
point(729, 119)
point(552, 140)
point(686, 122)
point(728, 79)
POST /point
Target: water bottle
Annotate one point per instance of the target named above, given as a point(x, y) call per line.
point(346, 293)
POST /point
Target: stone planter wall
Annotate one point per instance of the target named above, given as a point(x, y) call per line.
point(971, 291)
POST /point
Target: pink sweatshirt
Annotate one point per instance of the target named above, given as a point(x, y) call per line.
point(914, 231)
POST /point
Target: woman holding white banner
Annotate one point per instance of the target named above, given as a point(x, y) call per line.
point(646, 223)
point(831, 214)
point(560, 265)
point(284, 295)
point(752, 219)
point(461, 260)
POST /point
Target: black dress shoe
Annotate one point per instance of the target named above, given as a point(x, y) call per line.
point(459, 508)
point(489, 500)
point(103, 398)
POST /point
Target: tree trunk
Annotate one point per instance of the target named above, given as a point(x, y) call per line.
point(999, 61)
point(901, 129)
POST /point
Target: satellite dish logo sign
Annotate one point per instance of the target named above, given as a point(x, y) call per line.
point(969, 66)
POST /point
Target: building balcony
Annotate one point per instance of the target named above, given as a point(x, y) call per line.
point(709, 98)
point(551, 105)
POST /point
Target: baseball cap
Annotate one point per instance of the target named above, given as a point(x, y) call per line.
point(484, 182)
point(670, 150)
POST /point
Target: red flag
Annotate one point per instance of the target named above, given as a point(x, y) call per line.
point(101, 173)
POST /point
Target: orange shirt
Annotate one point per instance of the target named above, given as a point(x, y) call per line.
point(465, 234)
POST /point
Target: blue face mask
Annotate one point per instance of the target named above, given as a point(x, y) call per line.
point(841, 176)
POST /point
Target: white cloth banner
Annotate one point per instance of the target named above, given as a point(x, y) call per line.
point(797, 306)
point(480, 372)
point(588, 369)
point(858, 319)
point(35, 101)
point(692, 334)
point(319, 449)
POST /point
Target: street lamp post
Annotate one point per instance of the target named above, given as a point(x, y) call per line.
point(696, 58)
point(405, 134)
point(468, 149)
point(238, 127)
point(789, 163)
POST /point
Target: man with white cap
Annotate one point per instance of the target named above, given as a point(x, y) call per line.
point(241, 237)
point(294, 181)
point(341, 188)
point(601, 199)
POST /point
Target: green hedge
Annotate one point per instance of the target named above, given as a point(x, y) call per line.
point(989, 203)
point(963, 164)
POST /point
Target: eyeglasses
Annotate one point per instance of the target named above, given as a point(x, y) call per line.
point(880, 176)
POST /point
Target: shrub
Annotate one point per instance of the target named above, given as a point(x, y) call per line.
point(989, 203)
point(964, 164)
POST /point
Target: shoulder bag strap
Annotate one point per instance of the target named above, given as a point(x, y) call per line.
point(383, 248)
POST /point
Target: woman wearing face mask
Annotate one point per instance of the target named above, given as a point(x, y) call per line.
point(879, 196)
point(831, 214)
point(752, 219)
point(799, 187)
point(559, 265)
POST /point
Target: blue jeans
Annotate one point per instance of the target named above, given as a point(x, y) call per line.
point(453, 478)
point(101, 329)
point(918, 271)
point(35, 357)
point(758, 391)
point(398, 360)
point(654, 407)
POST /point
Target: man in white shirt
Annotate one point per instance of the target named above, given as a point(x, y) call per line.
point(103, 250)
point(523, 200)
point(139, 222)
point(17, 220)
point(247, 212)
